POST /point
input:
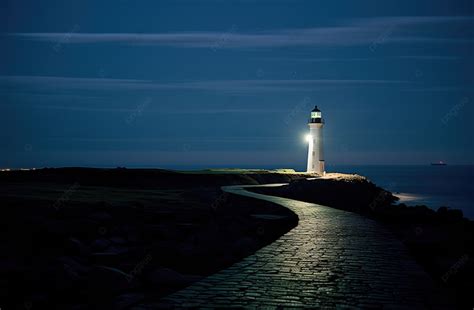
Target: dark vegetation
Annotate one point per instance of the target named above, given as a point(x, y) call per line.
point(110, 238)
point(441, 241)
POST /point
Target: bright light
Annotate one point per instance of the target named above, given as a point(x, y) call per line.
point(308, 138)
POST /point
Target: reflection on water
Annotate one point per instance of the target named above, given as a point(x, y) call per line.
point(434, 186)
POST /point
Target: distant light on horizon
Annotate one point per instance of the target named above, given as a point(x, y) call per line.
point(18, 169)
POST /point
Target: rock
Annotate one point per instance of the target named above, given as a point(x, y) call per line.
point(161, 231)
point(100, 244)
point(118, 240)
point(63, 274)
point(8, 265)
point(100, 216)
point(244, 246)
point(126, 300)
point(117, 249)
point(133, 236)
point(51, 226)
point(268, 217)
point(169, 277)
point(187, 249)
point(102, 258)
point(73, 266)
point(103, 205)
point(450, 214)
point(109, 281)
point(138, 206)
point(39, 300)
point(75, 247)
point(130, 232)
point(442, 210)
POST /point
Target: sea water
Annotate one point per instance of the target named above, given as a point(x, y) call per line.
point(434, 186)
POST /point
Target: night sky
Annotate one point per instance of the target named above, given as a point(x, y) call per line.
point(190, 84)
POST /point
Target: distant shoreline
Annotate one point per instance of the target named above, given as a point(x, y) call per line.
point(298, 168)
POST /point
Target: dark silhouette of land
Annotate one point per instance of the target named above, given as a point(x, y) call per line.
point(114, 238)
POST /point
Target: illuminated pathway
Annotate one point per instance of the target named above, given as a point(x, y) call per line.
point(332, 258)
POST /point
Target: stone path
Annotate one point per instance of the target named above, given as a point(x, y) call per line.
point(331, 259)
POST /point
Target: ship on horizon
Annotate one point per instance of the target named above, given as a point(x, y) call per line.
point(439, 163)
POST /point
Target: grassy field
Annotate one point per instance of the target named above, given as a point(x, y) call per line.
point(75, 236)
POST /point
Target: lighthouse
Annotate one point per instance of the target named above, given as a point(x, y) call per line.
point(315, 139)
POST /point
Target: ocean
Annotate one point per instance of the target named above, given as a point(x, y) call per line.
point(434, 186)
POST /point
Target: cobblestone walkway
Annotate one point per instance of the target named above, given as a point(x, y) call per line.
point(331, 259)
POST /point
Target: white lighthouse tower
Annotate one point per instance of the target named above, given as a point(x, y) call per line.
point(315, 139)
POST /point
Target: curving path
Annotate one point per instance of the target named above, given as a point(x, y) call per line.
point(332, 258)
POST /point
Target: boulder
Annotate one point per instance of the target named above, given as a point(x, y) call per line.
point(75, 247)
point(100, 216)
point(105, 280)
point(100, 244)
point(169, 277)
point(125, 301)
